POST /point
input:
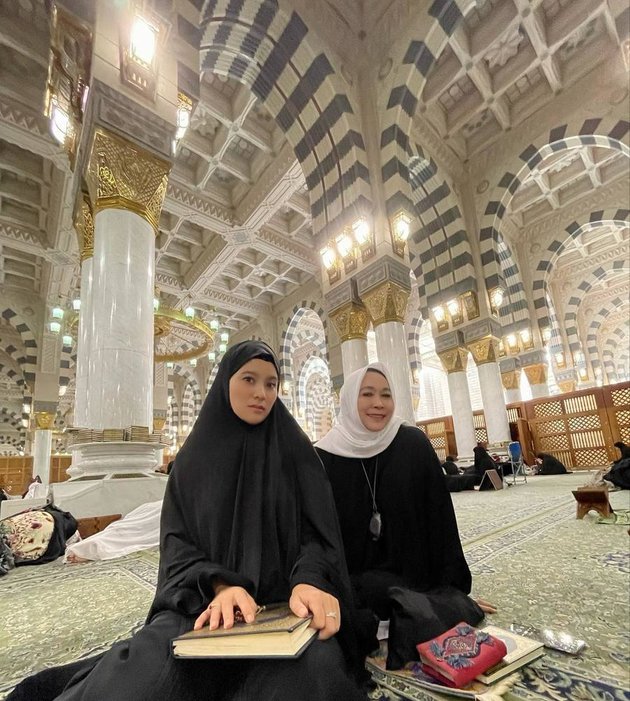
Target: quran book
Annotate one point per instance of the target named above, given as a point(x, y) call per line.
point(462, 653)
point(520, 651)
point(276, 632)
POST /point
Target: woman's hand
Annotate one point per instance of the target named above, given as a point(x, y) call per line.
point(486, 606)
point(324, 607)
point(221, 608)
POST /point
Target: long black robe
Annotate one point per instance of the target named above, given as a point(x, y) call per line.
point(419, 547)
point(250, 505)
point(551, 465)
point(483, 462)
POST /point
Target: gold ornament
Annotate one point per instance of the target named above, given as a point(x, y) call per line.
point(386, 302)
point(351, 321)
point(484, 350)
point(44, 420)
point(84, 224)
point(121, 175)
point(454, 359)
point(511, 379)
point(566, 386)
point(536, 374)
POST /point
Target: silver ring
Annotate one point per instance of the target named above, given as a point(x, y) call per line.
point(331, 614)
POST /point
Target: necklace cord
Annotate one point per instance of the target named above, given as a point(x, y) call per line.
point(372, 490)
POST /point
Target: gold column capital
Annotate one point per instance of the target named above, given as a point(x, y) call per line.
point(454, 359)
point(484, 350)
point(511, 379)
point(44, 420)
point(121, 175)
point(386, 302)
point(536, 374)
point(158, 423)
point(84, 224)
point(351, 321)
point(566, 386)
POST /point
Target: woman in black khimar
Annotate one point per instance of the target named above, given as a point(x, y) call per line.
point(248, 519)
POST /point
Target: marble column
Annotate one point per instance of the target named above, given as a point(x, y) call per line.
point(454, 361)
point(84, 224)
point(484, 352)
point(42, 445)
point(127, 187)
point(386, 304)
point(352, 322)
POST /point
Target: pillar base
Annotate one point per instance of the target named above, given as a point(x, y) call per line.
point(114, 460)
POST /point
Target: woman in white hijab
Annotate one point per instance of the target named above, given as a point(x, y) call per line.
point(396, 516)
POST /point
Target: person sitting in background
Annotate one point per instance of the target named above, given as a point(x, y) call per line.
point(450, 466)
point(624, 450)
point(549, 465)
point(483, 462)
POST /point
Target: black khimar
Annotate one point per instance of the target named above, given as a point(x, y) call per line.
point(248, 504)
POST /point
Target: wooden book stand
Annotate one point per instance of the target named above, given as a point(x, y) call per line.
point(592, 498)
point(490, 480)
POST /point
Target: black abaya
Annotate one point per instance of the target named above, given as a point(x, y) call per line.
point(419, 546)
point(251, 506)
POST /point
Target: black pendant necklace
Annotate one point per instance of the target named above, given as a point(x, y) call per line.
point(375, 522)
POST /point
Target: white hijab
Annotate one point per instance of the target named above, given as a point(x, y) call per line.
point(349, 438)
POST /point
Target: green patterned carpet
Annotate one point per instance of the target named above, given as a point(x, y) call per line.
point(527, 552)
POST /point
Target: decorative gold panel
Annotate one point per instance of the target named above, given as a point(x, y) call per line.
point(44, 420)
point(454, 359)
point(567, 386)
point(386, 302)
point(351, 321)
point(84, 224)
point(511, 379)
point(536, 374)
point(484, 350)
point(121, 175)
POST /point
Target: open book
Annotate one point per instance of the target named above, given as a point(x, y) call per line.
point(520, 651)
point(276, 632)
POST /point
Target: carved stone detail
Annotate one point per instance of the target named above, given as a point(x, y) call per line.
point(351, 321)
point(484, 350)
point(121, 175)
point(454, 359)
point(386, 302)
point(536, 374)
point(84, 224)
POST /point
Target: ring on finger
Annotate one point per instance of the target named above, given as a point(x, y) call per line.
point(331, 614)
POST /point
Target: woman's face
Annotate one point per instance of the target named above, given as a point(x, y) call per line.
point(253, 390)
point(375, 403)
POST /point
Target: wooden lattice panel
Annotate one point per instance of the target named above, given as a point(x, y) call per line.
point(587, 439)
point(512, 413)
point(582, 423)
point(544, 409)
point(623, 418)
point(436, 428)
point(590, 458)
point(620, 397)
point(481, 435)
point(438, 442)
point(624, 434)
point(565, 457)
point(547, 427)
point(580, 404)
point(479, 420)
point(441, 453)
point(551, 444)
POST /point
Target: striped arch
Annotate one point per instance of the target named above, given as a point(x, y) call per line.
point(439, 248)
point(414, 329)
point(16, 354)
point(404, 90)
point(291, 327)
point(172, 418)
point(188, 413)
point(66, 365)
point(29, 362)
point(315, 394)
point(574, 230)
point(605, 133)
point(10, 417)
point(618, 345)
point(211, 377)
point(12, 375)
point(258, 44)
point(515, 311)
point(593, 332)
point(585, 286)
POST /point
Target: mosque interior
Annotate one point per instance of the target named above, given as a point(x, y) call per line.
point(442, 185)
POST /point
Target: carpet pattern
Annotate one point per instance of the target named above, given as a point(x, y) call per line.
point(527, 552)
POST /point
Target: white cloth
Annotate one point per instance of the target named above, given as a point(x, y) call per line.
point(349, 437)
point(138, 530)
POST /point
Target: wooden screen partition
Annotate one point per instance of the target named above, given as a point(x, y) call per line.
point(15, 473)
point(574, 427)
point(58, 466)
point(617, 398)
point(441, 434)
point(479, 422)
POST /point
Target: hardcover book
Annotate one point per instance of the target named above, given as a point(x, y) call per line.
point(458, 656)
point(519, 652)
point(276, 632)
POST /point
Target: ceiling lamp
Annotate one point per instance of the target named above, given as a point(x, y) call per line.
point(214, 325)
point(222, 347)
point(189, 312)
point(496, 299)
point(439, 313)
point(512, 342)
point(193, 362)
point(142, 41)
point(212, 356)
point(546, 334)
point(401, 228)
point(76, 304)
point(560, 361)
point(67, 340)
point(225, 337)
point(454, 308)
point(361, 231)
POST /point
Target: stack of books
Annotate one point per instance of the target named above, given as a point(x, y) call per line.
point(97, 436)
point(113, 434)
point(155, 437)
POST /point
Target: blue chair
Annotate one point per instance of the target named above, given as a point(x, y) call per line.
point(516, 461)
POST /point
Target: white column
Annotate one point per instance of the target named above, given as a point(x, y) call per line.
point(512, 395)
point(354, 355)
point(462, 412)
point(391, 347)
point(42, 451)
point(497, 424)
point(121, 320)
point(82, 385)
